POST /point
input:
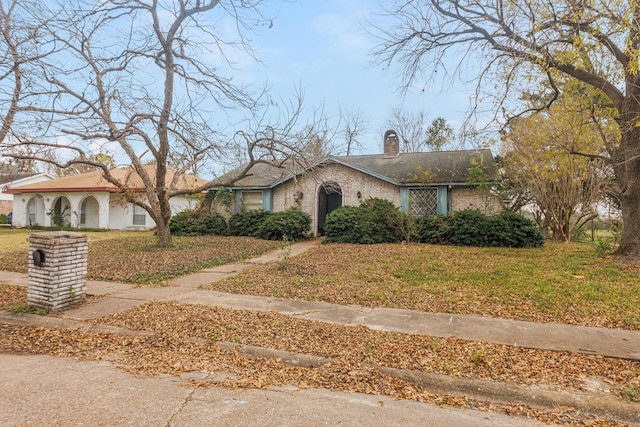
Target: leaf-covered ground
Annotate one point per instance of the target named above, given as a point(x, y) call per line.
point(187, 338)
point(135, 258)
point(11, 296)
point(565, 283)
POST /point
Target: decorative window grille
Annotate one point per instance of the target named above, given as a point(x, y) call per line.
point(423, 201)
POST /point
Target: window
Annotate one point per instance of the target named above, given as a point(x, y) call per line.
point(139, 215)
point(83, 213)
point(251, 200)
point(32, 209)
point(423, 201)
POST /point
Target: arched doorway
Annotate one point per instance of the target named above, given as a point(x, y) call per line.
point(35, 211)
point(60, 212)
point(329, 199)
point(89, 213)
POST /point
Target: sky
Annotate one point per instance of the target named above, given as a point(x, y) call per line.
point(324, 47)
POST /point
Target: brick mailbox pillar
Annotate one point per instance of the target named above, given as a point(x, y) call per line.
point(57, 269)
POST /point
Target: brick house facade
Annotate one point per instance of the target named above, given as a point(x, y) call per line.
point(427, 183)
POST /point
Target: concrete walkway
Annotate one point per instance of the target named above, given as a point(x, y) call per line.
point(118, 297)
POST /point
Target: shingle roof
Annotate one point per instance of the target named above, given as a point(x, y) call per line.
point(438, 167)
point(94, 181)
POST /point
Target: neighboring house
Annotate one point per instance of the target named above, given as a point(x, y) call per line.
point(429, 183)
point(88, 200)
point(12, 176)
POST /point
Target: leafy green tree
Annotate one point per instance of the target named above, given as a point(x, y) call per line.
point(564, 188)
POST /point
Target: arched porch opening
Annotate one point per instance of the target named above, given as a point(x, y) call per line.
point(60, 212)
point(89, 213)
point(35, 211)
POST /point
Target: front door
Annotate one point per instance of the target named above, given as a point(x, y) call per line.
point(329, 199)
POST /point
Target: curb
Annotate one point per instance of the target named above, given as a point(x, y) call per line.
point(476, 389)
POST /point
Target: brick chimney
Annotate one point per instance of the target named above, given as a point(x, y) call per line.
point(391, 144)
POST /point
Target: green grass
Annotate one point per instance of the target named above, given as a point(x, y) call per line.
point(15, 239)
point(24, 308)
point(561, 282)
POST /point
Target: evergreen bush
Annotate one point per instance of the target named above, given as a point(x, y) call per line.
point(247, 223)
point(195, 222)
point(520, 232)
point(433, 229)
point(472, 228)
point(341, 225)
point(374, 221)
point(291, 225)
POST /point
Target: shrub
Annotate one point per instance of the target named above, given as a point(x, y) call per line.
point(520, 232)
point(433, 229)
point(4, 219)
point(291, 224)
point(246, 223)
point(469, 228)
point(341, 225)
point(374, 221)
point(472, 228)
point(195, 222)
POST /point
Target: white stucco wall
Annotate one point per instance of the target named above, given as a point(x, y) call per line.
point(21, 201)
point(112, 211)
point(24, 181)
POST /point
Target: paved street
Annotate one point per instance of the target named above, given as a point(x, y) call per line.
point(51, 391)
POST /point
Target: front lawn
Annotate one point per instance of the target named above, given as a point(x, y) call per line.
point(565, 283)
point(133, 257)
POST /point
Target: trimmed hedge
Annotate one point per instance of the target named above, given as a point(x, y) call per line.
point(246, 223)
point(434, 230)
point(291, 224)
point(374, 221)
point(472, 228)
point(195, 222)
point(379, 221)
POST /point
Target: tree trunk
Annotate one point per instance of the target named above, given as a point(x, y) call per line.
point(163, 234)
point(626, 163)
point(630, 203)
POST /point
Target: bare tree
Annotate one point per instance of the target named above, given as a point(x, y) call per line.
point(596, 43)
point(147, 76)
point(18, 40)
point(416, 135)
point(352, 126)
